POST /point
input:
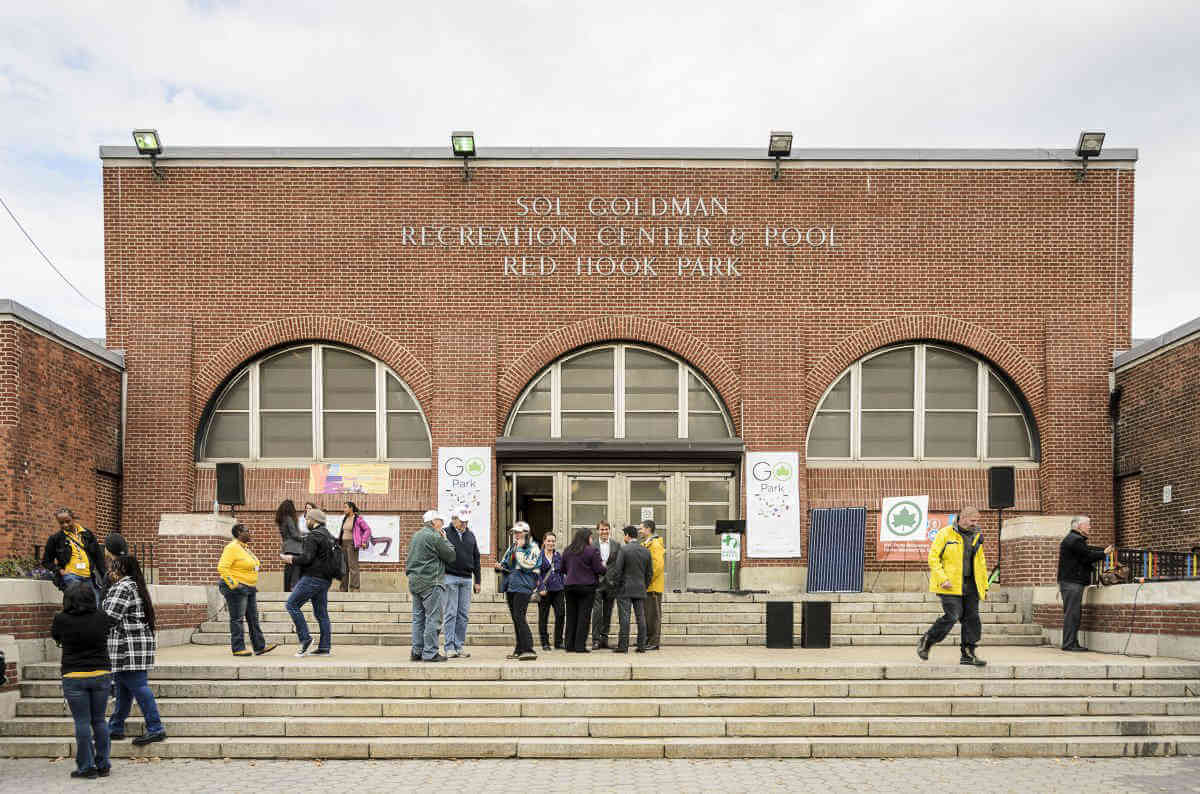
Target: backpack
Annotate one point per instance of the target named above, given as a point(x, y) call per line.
point(1119, 574)
point(332, 562)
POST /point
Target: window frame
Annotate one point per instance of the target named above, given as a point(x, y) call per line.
point(316, 409)
point(985, 372)
point(682, 410)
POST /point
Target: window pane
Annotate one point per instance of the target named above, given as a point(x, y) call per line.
point(950, 435)
point(228, 436)
point(651, 381)
point(830, 436)
point(589, 490)
point(999, 400)
point(349, 435)
point(951, 380)
point(707, 426)
point(349, 382)
point(647, 491)
point(1007, 437)
point(656, 425)
point(398, 399)
point(238, 396)
point(887, 380)
point(708, 491)
point(587, 515)
point(706, 516)
point(635, 516)
point(286, 381)
point(530, 426)
point(704, 538)
point(287, 435)
point(408, 438)
point(699, 398)
point(587, 425)
point(706, 562)
point(887, 434)
point(587, 381)
point(538, 398)
point(839, 396)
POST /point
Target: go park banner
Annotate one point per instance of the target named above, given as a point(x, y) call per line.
point(773, 504)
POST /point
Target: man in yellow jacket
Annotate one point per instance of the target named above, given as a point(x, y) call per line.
point(654, 593)
point(958, 574)
point(238, 568)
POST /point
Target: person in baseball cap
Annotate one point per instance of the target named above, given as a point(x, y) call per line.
point(428, 553)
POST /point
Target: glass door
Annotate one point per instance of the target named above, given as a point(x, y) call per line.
point(708, 499)
point(589, 501)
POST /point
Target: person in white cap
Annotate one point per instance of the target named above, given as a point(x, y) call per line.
point(462, 579)
point(428, 554)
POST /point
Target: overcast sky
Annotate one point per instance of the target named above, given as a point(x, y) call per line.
point(75, 75)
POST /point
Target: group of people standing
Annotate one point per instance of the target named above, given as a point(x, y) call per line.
point(106, 632)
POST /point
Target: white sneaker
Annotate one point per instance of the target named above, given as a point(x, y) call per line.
point(453, 655)
point(303, 649)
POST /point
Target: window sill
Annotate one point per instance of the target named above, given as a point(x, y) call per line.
point(299, 463)
point(903, 463)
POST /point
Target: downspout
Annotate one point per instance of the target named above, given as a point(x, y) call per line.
point(1114, 416)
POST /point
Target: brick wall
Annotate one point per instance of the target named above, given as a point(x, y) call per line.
point(1030, 561)
point(215, 265)
point(1168, 619)
point(60, 413)
point(1159, 434)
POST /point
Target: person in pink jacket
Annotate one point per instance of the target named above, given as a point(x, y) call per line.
point(354, 535)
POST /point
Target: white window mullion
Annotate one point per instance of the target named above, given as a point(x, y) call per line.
point(556, 400)
point(381, 450)
point(855, 411)
point(255, 416)
point(318, 402)
point(919, 403)
point(683, 400)
point(982, 405)
point(619, 391)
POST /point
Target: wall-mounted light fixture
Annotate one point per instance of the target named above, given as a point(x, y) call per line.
point(148, 143)
point(462, 143)
point(1090, 144)
point(779, 146)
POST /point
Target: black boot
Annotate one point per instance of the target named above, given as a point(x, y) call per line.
point(969, 657)
point(923, 646)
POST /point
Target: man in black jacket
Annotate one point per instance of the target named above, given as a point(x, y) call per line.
point(73, 554)
point(602, 607)
point(1075, 561)
point(316, 576)
point(463, 578)
point(629, 578)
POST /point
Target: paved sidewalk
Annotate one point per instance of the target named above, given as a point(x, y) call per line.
point(1020, 775)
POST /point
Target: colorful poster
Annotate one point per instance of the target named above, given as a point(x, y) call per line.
point(773, 504)
point(907, 528)
point(465, 486)
point(335, 478)
point(385, 539)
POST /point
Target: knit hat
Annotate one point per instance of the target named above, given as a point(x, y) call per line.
point(315, 515)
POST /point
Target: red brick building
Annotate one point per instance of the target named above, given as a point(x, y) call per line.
point(1157, 408)
point(60, 429)
point(620, 327)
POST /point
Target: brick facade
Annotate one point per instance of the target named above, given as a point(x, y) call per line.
point(1158, 445)
point(1167, 619)
point(60, 419)
point(221, 262)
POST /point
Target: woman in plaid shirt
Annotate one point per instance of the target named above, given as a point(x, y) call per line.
point(131, 649)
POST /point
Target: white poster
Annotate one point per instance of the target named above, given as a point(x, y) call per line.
point(903, 519)
point(773, 504)
point(385, 539)
point(731, 547)
point(465, 486)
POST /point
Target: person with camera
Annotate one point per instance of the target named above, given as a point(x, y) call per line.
point(550, 593)
point(1075, 561)
point(519, 566)
point(316, 568)
point(425, 567)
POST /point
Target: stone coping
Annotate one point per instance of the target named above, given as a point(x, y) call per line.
point(1160, 593)
point(196, 525)
point(35, 592)
point(1050, 526)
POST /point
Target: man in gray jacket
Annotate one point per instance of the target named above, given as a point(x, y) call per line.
point(428, 554)
point(628, 578)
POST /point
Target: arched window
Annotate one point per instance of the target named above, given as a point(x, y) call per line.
point(619, 391)
point(921, 402)
point(315, 402)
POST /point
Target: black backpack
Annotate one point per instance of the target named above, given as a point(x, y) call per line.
point(332, 562)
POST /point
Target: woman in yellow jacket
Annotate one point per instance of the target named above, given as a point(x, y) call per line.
point(238, 568)
point(960, 586)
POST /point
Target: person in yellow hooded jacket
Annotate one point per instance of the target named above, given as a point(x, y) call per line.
point(958, 574)
point(238, 569)
point(654, 591)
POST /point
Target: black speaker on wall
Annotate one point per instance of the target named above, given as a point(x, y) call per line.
point(780, 615)
point(231, 484)
point(1001, 490)
point(814, 632)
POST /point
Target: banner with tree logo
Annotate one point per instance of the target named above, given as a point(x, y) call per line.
point(773, 504)
point(465, 487)
point(907, 528)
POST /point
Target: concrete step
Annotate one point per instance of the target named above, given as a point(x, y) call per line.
point(670, 599)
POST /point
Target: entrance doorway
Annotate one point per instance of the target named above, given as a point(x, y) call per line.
point(684, 505)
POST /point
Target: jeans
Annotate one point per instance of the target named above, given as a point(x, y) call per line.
point(131, 686)
point(427, 620)
point(87, 698)
point(653, 618)
point(639, 610)
point(243, 603)
point(70, 579)
point(551, 601)
point(956, 609)
point(579, 615)
point(1072, 596)
point(602, 609)
point(517, 604)
point(315, 589)
point(456, 611)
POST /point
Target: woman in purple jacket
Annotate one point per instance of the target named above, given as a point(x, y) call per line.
point(582, 569)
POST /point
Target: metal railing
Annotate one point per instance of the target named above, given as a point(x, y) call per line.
point(1149, 564)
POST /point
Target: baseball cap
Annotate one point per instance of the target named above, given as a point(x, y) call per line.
point(461, 513)
point(431, 516)
point(316, 515)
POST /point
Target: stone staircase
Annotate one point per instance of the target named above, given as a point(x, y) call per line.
point(678, 703)
point(688, 619)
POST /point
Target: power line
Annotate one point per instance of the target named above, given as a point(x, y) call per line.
point(43, 253)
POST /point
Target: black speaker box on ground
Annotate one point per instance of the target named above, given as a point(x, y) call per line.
point(814, 632)
point(780, 615)
point(231, 484)
point(1001, 489)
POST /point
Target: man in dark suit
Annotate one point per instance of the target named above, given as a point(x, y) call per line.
point(602, 607)
point(629, 577)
